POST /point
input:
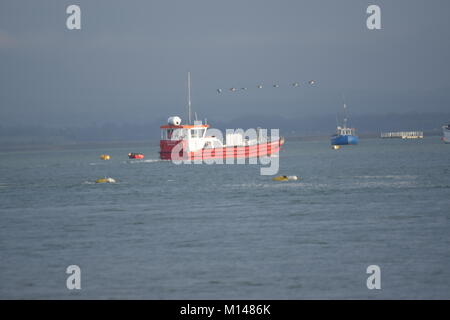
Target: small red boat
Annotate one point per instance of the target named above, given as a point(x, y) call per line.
point(135, 155)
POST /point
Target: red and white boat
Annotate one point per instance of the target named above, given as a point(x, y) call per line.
point(192, 142)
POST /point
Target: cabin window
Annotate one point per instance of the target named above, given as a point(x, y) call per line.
point(166, 134)
point(173, 134)
point(179, 134)
point(196, 133)
point(212, 144)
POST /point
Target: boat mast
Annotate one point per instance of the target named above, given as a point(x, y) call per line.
point(189, 97)
point(345, 116)
point(345, 112)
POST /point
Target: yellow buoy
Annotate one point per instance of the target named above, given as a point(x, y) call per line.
point(285, 178)
point(335, 147)
point(105, 180)
point(105, 157)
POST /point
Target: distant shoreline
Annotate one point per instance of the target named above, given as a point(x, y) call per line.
point(18, 147)
point(74, 145)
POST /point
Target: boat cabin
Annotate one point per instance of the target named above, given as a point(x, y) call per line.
point(183, 132)
point(344, 131)
point(193, 136)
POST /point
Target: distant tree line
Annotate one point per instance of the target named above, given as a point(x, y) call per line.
point(295, 127)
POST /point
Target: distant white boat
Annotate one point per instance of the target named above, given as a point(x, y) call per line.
point(446, 131)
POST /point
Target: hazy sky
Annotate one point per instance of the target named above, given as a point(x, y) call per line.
point(129, 61)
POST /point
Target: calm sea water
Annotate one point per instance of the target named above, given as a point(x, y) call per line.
point(166, 231)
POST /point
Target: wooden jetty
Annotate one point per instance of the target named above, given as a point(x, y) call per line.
point(402, 135)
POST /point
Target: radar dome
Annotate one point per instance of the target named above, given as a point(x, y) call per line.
point(174, 121)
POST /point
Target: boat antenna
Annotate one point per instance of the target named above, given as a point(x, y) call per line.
point(345, 116)
point(189, 97)
point(345, 111)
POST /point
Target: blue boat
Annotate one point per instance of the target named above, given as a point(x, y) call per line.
point(344, 135)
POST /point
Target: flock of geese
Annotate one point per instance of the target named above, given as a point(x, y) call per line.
point(260, 86)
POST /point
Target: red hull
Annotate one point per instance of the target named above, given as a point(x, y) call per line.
point(258, 150)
